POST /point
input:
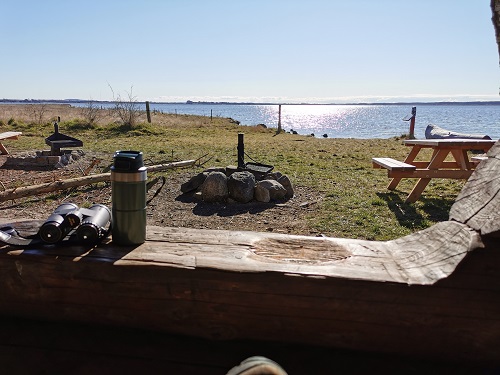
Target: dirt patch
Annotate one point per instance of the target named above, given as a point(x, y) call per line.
point(169, 208)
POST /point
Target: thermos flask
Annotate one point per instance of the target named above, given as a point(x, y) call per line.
point(128, 198)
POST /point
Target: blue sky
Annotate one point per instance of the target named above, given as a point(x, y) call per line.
point(249, 50)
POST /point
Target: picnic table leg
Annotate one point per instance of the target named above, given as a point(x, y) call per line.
point(409, 159)
point(461, 158)
point(3, 150)
point(436, 161)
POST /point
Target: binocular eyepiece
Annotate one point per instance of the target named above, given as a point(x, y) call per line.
point(91, 224)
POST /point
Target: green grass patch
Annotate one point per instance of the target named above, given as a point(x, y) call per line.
point(355, 201)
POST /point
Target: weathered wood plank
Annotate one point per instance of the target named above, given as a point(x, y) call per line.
point(392, 164)
point(10, 135)
point(7, 135)
point(244, 285)
point(420, 258)
point(218, 304)
point(478, 204)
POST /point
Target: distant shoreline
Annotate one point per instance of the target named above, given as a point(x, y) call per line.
point(189, 102)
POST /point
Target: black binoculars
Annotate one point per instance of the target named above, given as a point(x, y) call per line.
point(89, 224)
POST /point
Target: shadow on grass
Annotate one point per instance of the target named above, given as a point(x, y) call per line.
point(436, 209)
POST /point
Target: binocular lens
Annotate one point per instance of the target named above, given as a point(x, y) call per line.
point(52, 230)
point(93, 226)
point(88, 233)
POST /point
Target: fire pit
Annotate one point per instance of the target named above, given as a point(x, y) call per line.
point(247, 182)
point(53, 158)
point(57, 140)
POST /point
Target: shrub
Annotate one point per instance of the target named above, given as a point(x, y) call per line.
point(91, 112)
point(127, 110)
point(79, 125)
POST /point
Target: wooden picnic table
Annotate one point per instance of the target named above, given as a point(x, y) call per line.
point(460, 167)
point(7, 135)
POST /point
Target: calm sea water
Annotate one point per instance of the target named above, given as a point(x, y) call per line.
point(354, 121)
point(351, 121)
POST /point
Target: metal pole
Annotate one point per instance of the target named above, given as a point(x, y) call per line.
point(241, 151)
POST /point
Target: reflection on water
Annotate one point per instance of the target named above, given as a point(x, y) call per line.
point(353, 121)
point(356, 121)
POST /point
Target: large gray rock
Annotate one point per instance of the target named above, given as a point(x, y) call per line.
point(273, 176)
point(276, 190)
point(287, 184)
point(241, 186)
point(261, 194)
point(194, 182)
point(215, 169)
point(214, 189)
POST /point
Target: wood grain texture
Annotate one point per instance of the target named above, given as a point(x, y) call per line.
point(478, 204)
point(223, 285)
point(420, 258)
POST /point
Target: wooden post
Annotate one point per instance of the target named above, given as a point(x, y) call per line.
point(412, 122)
point(210, 115)
point(279, 119)
point(148, 113)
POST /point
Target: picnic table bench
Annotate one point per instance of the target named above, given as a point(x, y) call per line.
point(392, 164)
point(478, 159)
point(7, 135)
point(460, 167)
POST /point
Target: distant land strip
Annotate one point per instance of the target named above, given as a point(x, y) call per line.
point(80, 101)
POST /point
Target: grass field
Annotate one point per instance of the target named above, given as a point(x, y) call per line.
point(355, 204)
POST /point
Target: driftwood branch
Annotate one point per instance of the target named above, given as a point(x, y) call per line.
point(27, 191)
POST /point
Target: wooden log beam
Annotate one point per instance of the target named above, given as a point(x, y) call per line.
point(478, 204)
point(403, 296)
point(26, 191)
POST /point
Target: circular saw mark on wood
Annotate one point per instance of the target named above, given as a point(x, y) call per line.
point(301, 251)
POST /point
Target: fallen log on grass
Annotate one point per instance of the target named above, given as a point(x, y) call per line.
point(26, 191)
point(435, 132)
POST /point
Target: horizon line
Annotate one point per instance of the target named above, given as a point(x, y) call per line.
point(75, 100)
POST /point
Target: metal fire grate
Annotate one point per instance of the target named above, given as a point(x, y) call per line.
point(258, 167)
point(57, 140)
